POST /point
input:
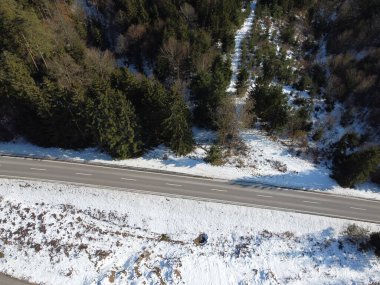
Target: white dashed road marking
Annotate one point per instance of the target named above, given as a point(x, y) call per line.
point(219, 190)
point(129, 179)
point(39, 169)
point(264, 196)
point(361, 209)
point(170, 184)
point(85, 174)
point(310, 202)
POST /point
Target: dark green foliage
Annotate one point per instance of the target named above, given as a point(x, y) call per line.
point(5, 134)
point(287, 35)
point(17, 83)
point(214, 155)
point(299, 120)
point(177, 127)
point(318, 135)
point(147, 24)
point(318, 75)
point(354, 168)
point(305, 83)
point(208, 91)
point(270, 104)
point(151, 101)
point(375, 242)
point(65, 115)
point(58, 89)
point(274, 66)
point(204, 98)
point(279, 8)
point(113, 121)
point(346, 144)
point(242, 81)
point(375, 177)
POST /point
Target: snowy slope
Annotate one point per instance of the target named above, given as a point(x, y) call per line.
point(240, 35)
point(60, 234)
point(267, 160)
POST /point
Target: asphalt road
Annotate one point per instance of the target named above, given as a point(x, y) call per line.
point(193, 188)
point(197, 188)
point(6, 280)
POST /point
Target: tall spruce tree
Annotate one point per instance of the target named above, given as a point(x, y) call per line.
point(208, 91)
point(114, 121)
point(177, 127)
point(270, 104)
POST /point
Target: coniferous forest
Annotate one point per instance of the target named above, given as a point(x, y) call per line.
point(60, 84)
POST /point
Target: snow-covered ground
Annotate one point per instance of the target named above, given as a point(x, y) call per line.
point(240, 35)
point(267, 161)
point(61, 234)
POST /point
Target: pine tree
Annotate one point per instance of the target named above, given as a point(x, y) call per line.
point(150, 100)
point(177, 128)
point(270, 104)
point(208, 91)
point(114, 122)
point(351, 169)
point(15, 80)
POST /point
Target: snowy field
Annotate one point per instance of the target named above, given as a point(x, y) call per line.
point(61, 234)
point(267, 161)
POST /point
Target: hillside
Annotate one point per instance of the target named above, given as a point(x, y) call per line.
point(126, 77)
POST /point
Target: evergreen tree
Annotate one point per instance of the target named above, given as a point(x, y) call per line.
point(242, 81)
point(214, 155)
point(354, 168)
point(208, 91)
point(66, 123)
point(16, 82)
point(270, 104)
point(20, 97)
point(177, 128)
point(150, 100)
point(204, 107)
point(113, 121)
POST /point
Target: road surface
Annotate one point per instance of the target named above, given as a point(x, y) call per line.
point(193, 188)
point(6, 280)
point(168, 184)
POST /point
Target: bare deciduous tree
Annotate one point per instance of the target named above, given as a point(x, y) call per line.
point(227, 122)
point(188, 12)
point(175, 52)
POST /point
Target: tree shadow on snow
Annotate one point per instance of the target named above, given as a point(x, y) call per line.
point(326, 250)
point(317, 179)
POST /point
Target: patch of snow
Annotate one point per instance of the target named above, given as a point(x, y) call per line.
point(321, 57)
point(91, 11)
point(361, 55)
point(123, 62)
point(148, 70)
point(241, 34)
point(60, 234)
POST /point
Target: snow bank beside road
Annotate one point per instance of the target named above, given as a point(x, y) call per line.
point(60, 234)
point(267, 161)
